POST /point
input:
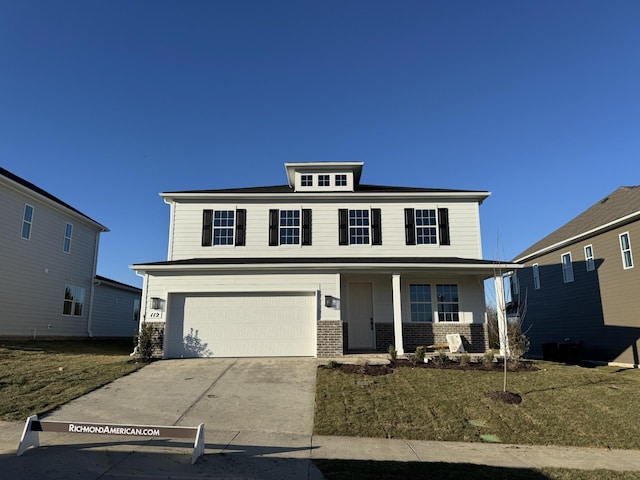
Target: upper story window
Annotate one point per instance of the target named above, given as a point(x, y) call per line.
point(360, 227)
point(448, 306)
point(27, 221)
point(306, 180)
point(324, 181)
point(68, 231)
point(290, 227)
point(536, 276)
point(567, 268)
point(420, 303)
point(514, 284)
point(341, 180)
point(625, 249)
point(223, 227)
point(73, 301)
point(136, 310)
point(588, 258)
point(426, 226)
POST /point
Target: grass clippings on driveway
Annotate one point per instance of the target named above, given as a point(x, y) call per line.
point(561, 405)
point(38, 376)
point(371, 470)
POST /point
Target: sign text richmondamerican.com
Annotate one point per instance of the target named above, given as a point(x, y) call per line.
point(114, 430)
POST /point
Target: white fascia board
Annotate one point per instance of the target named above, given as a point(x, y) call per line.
point(588, 233)
point(326, 197)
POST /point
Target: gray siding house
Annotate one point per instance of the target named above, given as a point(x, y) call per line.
point(321, 266)
point(116, 308)
point(48, 252)
point(582, 284)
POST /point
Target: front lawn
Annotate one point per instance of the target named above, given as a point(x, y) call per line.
point(37, 376)
point(561, 405)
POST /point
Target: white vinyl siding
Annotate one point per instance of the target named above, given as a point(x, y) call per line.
point(463, 224)
point(567, 267)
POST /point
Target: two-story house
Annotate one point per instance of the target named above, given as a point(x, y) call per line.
point(321, 266)
point(581, 283)
point(48, 252)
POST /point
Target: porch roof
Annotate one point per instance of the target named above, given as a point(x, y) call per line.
point(486, 268)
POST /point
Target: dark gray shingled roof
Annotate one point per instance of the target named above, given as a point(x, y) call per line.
point(44, 193)
point(359, 188)
point(621, 203)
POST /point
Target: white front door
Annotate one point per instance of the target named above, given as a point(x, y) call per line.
point(361, 333)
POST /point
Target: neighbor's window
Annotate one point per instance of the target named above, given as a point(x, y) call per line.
point(420, 302)
point(448, 307)
point(323, 181)
point(588, 258)
point(625, 248)
point(289, 227)
point(223, 227)
point(136, 309)
point(306, 180)
point(515, 284)
point(341, 180)
point(536, 276)
point(73, 301)
point(567, 268)
point(68, 231)
point(27, 221)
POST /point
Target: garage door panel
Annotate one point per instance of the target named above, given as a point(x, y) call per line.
point(244, 326)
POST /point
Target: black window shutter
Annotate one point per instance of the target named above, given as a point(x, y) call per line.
point(443, 226)
point(410, 226)
point(343, 229)
point(207, 228)
point(306, 226)
point(376, 226)
point(241, 227)
point(273, 227)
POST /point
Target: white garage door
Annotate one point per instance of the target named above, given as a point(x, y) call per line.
point(241, 325)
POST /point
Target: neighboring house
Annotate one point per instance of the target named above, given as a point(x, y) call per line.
point(48, 252)
point(116, 308)
point(319, 267)
point(581, 283)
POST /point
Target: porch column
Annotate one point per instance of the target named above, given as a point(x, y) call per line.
point(502, 316)
point(397, 314)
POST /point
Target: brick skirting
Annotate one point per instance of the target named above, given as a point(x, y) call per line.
point(330, 335)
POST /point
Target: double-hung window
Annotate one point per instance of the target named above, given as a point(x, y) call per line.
point(625, 250)
point(567, 268)
point(360, 227)
point(420, 303)
point(289, 227)
point(68, 231)
point(27, 221)
point(426, 226)
point(223, 227)
point(73, 301)
point(448, 303)
point(588, 258)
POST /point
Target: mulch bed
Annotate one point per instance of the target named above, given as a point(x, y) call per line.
point(505, 397)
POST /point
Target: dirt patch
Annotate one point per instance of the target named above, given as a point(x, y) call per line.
point(505, 397)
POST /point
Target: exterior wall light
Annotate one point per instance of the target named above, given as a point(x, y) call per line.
point(156, 303)
point(330, 301)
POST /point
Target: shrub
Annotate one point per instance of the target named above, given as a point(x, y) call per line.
point(332, 364)
point(465, 359)
point(393, 353)
point(487, 358)
point(420, 353)
point(145, 342)
point(441, 357)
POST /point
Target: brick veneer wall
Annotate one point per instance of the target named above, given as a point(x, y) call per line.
point(330, 343)
point(474, 335)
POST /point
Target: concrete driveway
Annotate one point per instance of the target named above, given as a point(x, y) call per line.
point(258, 412)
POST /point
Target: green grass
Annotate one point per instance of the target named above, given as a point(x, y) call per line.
point(38, 376)
point(562, 405)
point(370, 470)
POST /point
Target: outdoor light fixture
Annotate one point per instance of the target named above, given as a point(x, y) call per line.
point(330, 301)
point(156, 303)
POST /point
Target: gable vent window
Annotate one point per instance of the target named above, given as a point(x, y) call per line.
point(360, 227)
point(567, 268)
point(625, 249)
point(426, 226)
point(324, 181)
point(27, 221)
point(223, 227)
point(68, 231)
point(341, 180)
point(289, 227)
point(306, 180)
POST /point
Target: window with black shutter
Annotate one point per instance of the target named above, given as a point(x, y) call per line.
point(410, 226)
point(241, 227)
point(376, 226)
point(443, 226)
point(273, 227)
point(207, 228)
point(306, 226)
point(343, 226)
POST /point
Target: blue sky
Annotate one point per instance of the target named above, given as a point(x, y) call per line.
point(107, 103)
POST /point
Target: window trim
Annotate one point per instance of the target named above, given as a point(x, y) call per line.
point(627, 262)
point(567, 268)
point(239, 227)
point(75, 293)
point(27, 222)
point(68, 235)
point(589, 258)
point(536, 276)
point(442, 228)
point(374, 227)
point(304, 227)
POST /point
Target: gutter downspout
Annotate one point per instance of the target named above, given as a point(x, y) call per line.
point(93, 277)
